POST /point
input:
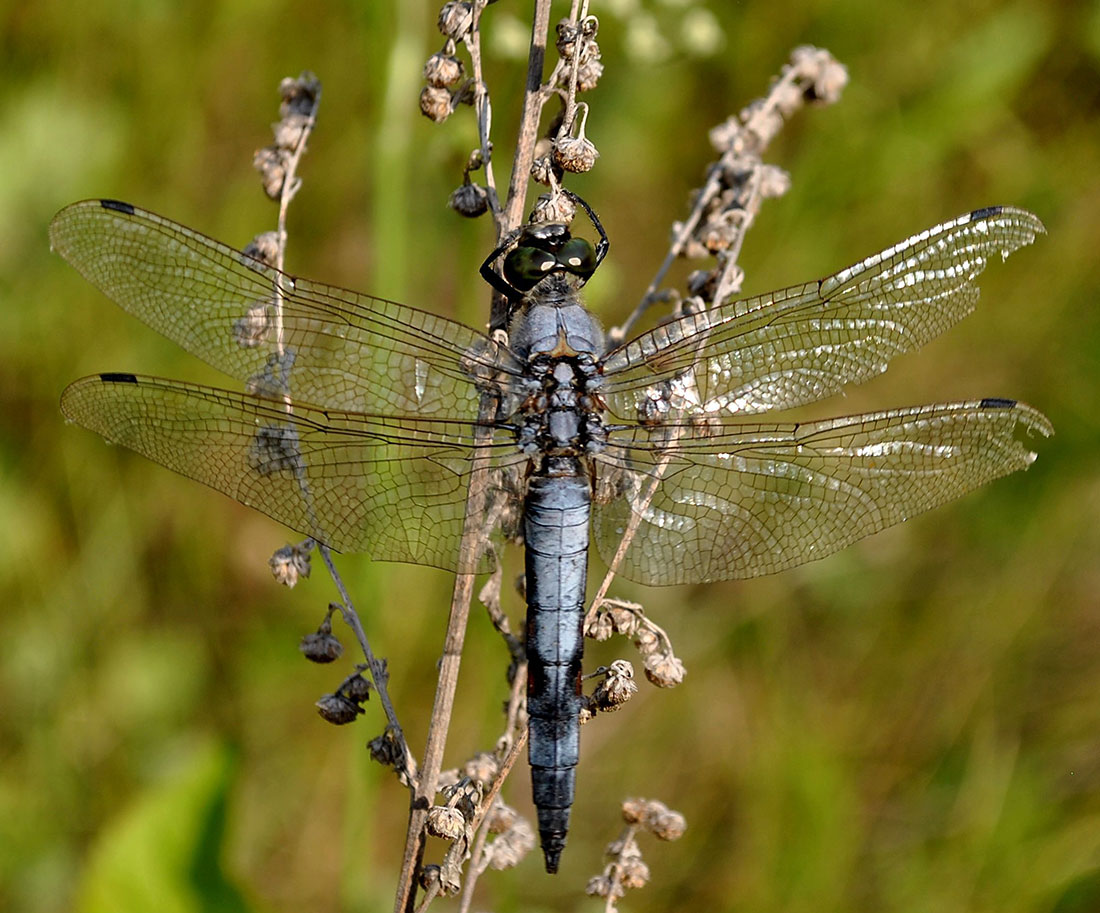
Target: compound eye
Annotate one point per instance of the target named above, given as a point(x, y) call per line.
point(525, 266)
point(578, 257)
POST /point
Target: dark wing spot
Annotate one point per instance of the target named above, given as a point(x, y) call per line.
point(117, 206)
point(978, 214)
point(113, 378)
point(994, 402)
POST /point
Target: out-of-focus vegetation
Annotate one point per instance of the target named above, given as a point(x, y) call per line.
point(912, 725)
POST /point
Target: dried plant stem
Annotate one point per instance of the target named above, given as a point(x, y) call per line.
point(529, 122)
point(290, 186)
point(483, 108)
point(811, 74)
point(473, 539)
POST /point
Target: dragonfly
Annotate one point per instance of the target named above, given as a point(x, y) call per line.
point(362, 421)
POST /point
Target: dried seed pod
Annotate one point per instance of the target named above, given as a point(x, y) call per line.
point(356, 688)
point(635, 810)
point(337, 709)
point(470, 200)
point(445, 822)
point(482, 767)
point(264, 247)
point(299, 95)
point(633, 873)
point(664, 670)
point(289, 563)
point(589, 73)
point(322, 646)
point(666, 824)
point(442, 70)
point(542, 170)
point(270, 163)
point(576, 154)
point(455, 19)
point(290, 130)
point(436, 103)
point(553, 207)
point(600, 628)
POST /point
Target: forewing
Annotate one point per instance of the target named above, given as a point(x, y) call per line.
point(282, 335)
point(753, 499)
point(803, 343)
point(395, 488)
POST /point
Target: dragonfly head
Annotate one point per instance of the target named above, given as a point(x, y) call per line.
point(544, 250)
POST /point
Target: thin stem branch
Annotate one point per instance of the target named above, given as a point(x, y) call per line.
point(473, 539)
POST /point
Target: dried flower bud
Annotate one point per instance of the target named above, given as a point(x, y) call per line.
point(574, 153)
point(470, 200)
point(633, 873)
point(356, 688)
point(337, 709)
point(322, 646)
point(429, 876)
point(299, 95)
point(624, 620)
point(828, 77)
point(635, 810)
point(664, 670)
point(269, 162)
point(510, 848)
point(289, 563)
point(482, 767)
point(435, 103)
point(603, 886)
point(501, 817)
point(787, 98)
point(666, 825)
point(589, 73)
point(646, 641)
point(264, 247)
point(290, 130)
point(252, 329)
point(445, 822)
point(618, 688)
point(774, 181)
point(384, 750)
point(553, 207)
point(600, 628)
point(442, 70)
point(455, 19)
point(542, 170)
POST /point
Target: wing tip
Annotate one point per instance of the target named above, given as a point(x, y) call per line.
point(1024, 219)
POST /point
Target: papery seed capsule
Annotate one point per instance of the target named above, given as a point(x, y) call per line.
point(470, 200)
point(436, 103)
point(574, 153)
point(455, 19)
point(442, 70)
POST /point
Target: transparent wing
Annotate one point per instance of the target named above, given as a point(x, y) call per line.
point(395, 488)
point(751, 499)
point(801, 344)
point(334, 348)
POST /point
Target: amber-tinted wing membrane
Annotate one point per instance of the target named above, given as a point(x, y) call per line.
point(395, 488)
point(750, 499)
point(804, 343)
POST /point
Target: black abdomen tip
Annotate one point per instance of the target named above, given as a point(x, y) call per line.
point(117, 206)
point(551, 852)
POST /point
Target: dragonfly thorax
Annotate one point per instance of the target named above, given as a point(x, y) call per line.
point(562, 419)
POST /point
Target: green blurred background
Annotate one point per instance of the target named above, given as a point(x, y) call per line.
point(911, 725)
